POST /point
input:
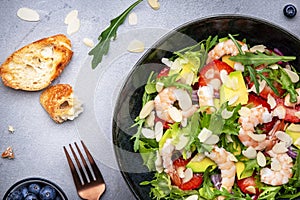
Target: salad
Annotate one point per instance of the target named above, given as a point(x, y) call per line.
point(221, 120)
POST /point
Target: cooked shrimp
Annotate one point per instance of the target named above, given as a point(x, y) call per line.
point(281, 170)
point(224, 48)
point(249, 119)
point(164, 103)
point(224, 161)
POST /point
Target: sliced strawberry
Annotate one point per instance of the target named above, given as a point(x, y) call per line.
point(163, 72)
point(180, 162)
point(255, 100)
point(290, 115)
point(194, 183)
point(248, 185)
point(212, 71)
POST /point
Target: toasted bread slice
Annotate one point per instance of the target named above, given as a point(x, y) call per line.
point(60, 103)
point(36, 65)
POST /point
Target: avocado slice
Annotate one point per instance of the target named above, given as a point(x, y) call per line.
point(200, 163)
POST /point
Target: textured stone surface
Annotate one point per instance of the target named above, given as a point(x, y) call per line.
point(37, 140)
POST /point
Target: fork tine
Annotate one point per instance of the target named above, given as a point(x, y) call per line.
point(75, 175)
point(84, 164)
point(93, 164)
point(79, 165)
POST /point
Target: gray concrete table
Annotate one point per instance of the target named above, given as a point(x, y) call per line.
point(37, 140)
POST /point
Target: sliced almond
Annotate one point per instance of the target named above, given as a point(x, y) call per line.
point(280, 112)
point(275, 164)
point(251, 189)
point(232, 158)
point(175, 114)
point(293, 75)
point(132, 18)
point(261, 48)
point(250, 153)
point(180, 171)
point(233, 100)
point(183, 140)
point(154, 4)
point(188, 175)
point(226, 114)
point(271, 101)
point(213, 139)
point(257, 137)
point(73, 26)
point(280, 147)
point(28, 14)
point(297, 114)
point(282, 136)
point(215, 83)
point(71, 16)
point(136, 46)
point(148, 133)
point(224, 76)
point(192, 197)
point(244, 112)
point(88, 42)
point(274, 66)
point(238, 66)
point(146, 110)
point(158, 131)
point(204, 134)
point(150, 119)
point(261, 159)
point(159, 86)
point(209, 74)
point(11, 129)
point(184, 99)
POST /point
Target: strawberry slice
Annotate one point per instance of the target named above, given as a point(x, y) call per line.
point(194, 183)
point(248, 185)
point(256, 100)
point(212, 70)
point(290, 115)
point(163, 72)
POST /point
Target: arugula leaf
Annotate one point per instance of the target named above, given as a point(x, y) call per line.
point(172, 81)
point(288, 85)
point(136, 137)
point(236, 44)
point(207, 189)
point(269, 192)
point(148, 155)
point(259, 58)
point(109, 33)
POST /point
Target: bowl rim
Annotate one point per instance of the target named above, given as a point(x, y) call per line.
point(160, 41)
point(31, 180)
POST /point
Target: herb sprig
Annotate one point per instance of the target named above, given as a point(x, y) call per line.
point(107, 35)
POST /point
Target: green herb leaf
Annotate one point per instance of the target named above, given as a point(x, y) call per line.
point(288, 85)
point(253, 77)
point(109, 33)
point(259, 58)
point(236, 44)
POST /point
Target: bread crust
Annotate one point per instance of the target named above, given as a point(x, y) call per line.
point(34, 66)
point(60, 103)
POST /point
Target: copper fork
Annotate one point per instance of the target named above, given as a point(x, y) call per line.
point(91, 187)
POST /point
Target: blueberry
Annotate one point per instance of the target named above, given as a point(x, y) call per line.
point(34, 188)
point(47, 193)
point(15, 195)
point(290, 11)
point(24, 191)
point(31, 196)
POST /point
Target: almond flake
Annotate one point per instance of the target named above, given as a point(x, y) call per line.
point(88, 42)
point(192, 197)
point(226, 114)
point(297, 114)
point(148, 133)
point(159, 86)
point(213, 139)
point(215, 83)
point(154, 4)
point(280, 147)
point(233, 100)
point(11, 129)
point(271, 101)
point(224, 76)
point(250, 153)
point(8, 153)
point(184, 99)
point(257, 137)
point(136, 46)
point(204, 134)
point(244, 112)
point(183, 140)
point(73, 26)
point(280, 112)
point(232, 158)
point(150, 119)
point(261, 159)
point(293, 75)
point(188, 175)
point(238, 66)
point(251, 189)
point(175, 114)
point(132, 18)
point(28, 14)
point(71, 16)
point(158, 131)
point(261, 48)
point(275, 164)
point(180, 171)
point(209, 74)
point(146, 110)
point(282, 136)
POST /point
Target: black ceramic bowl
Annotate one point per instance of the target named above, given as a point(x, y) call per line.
point(42, 182)
point(128, 106)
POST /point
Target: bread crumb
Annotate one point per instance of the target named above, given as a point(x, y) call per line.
point(88, 42)
point(11, 129)
point(8, 153)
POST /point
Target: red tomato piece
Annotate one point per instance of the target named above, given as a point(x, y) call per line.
point(194, 183)
point(163, 72)
point(212, 71)
point(245, 185)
